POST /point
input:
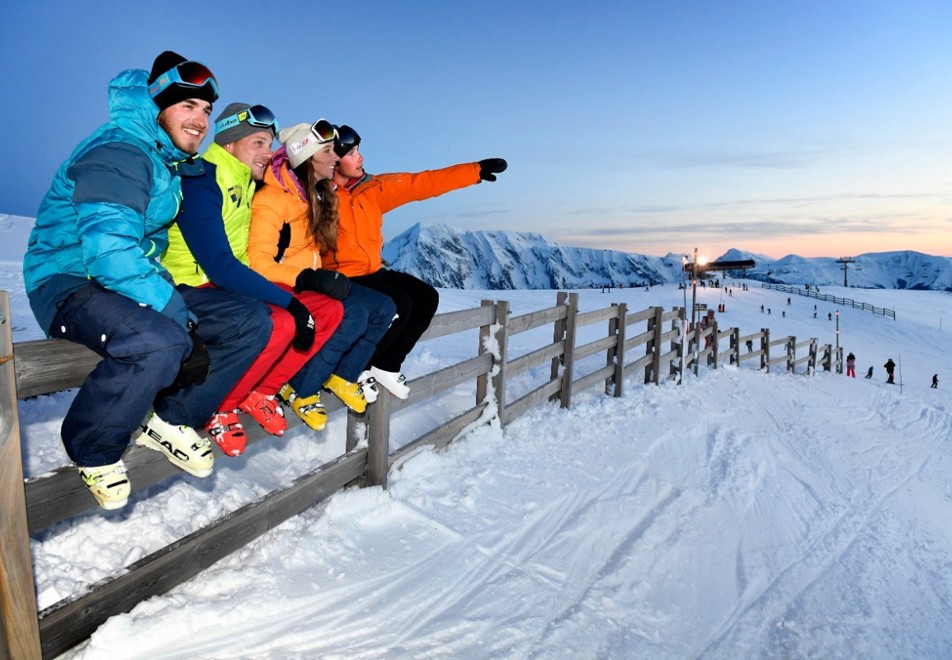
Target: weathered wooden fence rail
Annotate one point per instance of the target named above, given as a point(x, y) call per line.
point(20, 636)
point(652, 344)
point(846, 302)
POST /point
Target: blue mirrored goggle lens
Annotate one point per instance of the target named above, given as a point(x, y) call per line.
point(258, 116)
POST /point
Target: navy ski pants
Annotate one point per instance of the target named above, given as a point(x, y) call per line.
point(142, 351)
point(416, 304)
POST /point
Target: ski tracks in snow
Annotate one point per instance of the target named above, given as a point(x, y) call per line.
point(699, 520)
point(845, 526)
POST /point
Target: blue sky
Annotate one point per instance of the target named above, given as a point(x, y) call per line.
point(774, 126)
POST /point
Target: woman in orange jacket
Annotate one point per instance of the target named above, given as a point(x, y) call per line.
point(362, 200)
point(293, 218)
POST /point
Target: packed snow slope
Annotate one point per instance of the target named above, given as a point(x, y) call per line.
point(741, 514)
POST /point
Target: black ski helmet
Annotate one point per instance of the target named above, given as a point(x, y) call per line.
point(347, 139)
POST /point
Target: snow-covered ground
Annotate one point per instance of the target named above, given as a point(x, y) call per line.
point(741, 514)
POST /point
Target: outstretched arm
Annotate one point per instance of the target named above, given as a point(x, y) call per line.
point(393, 190)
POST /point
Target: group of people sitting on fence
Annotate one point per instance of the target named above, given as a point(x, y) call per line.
point(236, 282)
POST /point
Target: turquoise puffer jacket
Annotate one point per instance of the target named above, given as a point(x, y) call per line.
point(108, 210)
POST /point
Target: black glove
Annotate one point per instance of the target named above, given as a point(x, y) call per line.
point(330, 283)
point(195, 368)
point(303, 325)
point(489, 168)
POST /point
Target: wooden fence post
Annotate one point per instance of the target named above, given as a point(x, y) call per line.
point(567, 373)
point(674, 367)
point(378, 445)
point(649, 345)
point(653, 346)
point(500, 363)
point(612, 352)
point(716, 344)
point(616, 354)
point(20, 637)
point(791, 354)
point(558, 334)
point(682, 348)
point(482, 382)
point(765, 348)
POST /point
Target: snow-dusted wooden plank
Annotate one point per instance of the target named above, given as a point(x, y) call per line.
point(65, 624)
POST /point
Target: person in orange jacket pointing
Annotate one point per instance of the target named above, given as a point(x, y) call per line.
point(362, 200)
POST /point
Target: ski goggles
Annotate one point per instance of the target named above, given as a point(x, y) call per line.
point(347, 139)
point(186, 74)
point(257, 115)
point(324, 131)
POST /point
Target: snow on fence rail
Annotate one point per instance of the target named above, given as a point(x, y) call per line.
point(810, 293)
point(653, 344)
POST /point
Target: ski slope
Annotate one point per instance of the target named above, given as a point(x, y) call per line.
point(741, 514)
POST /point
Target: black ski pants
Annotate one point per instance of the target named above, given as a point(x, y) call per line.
point(416, 303)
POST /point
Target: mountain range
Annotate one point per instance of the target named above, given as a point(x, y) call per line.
point(452, 258)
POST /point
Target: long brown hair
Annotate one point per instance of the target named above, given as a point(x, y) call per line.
point(322, 206)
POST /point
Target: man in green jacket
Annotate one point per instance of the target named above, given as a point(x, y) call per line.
point(208, 246)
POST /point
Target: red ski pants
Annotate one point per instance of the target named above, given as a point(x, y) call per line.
point(279, 360)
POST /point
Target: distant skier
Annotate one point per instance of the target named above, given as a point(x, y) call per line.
point(869, 374)
point(851, 365)
point(935, 381)
point(890, 367)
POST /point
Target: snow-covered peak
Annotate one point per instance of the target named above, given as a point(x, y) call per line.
point(453, 258)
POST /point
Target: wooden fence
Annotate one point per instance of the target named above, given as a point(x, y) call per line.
point(651, 344)
point(846, 302)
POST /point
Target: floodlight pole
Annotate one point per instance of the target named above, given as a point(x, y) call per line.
point(684, 269)
point(694, 310)
point(837, 331)
point(684, 316)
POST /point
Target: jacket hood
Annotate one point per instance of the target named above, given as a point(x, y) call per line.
point(133, 110)
point(279, 174)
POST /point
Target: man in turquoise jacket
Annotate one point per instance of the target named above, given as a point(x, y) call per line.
point(170, 353)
